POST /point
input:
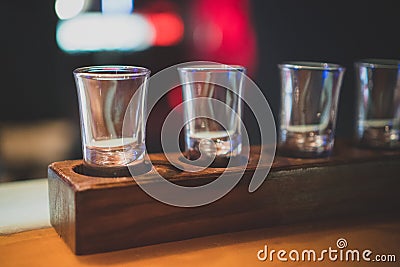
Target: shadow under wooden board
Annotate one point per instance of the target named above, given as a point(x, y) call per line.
point(98, 214)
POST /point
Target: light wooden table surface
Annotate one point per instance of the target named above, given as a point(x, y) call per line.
point(24, 206)
point(43, 247)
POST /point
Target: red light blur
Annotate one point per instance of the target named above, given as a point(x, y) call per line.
point(168, 28)
point(223, 32)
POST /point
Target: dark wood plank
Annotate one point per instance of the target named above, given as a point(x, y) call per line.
point(94, 214)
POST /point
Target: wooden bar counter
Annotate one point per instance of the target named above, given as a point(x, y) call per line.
point(379, 234)
point(304, 204)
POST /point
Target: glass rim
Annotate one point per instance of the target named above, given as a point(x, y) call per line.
point(105, 71)
point(212, 67)
point(378, 63)
point(310, 65)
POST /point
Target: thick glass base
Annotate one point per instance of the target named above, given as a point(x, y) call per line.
point(211, 146)
point(380, 138)
point(103, 155)
point(305, 145)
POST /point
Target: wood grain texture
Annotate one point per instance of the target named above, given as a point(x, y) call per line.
point(381, 235)
point(94, 214)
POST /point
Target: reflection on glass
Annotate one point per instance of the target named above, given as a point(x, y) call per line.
point(310, 94)
point(378, 90)
point(106, 95)
point(214, 119)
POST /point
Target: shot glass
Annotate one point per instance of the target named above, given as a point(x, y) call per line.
point(378, 109)
point(310, 92)
point(106, 95)
point(213, 128)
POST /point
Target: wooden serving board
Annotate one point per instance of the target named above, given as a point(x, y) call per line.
point(98, 214)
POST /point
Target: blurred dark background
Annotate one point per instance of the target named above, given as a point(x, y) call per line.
point(39, 120)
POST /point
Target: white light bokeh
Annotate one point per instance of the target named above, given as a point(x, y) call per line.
point(98, 32)
point(116, 6)
point(67, 9)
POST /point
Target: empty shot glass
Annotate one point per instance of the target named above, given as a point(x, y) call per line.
point(212, 97)
point(310, 92)
point(106, 95)
point(378, 109)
